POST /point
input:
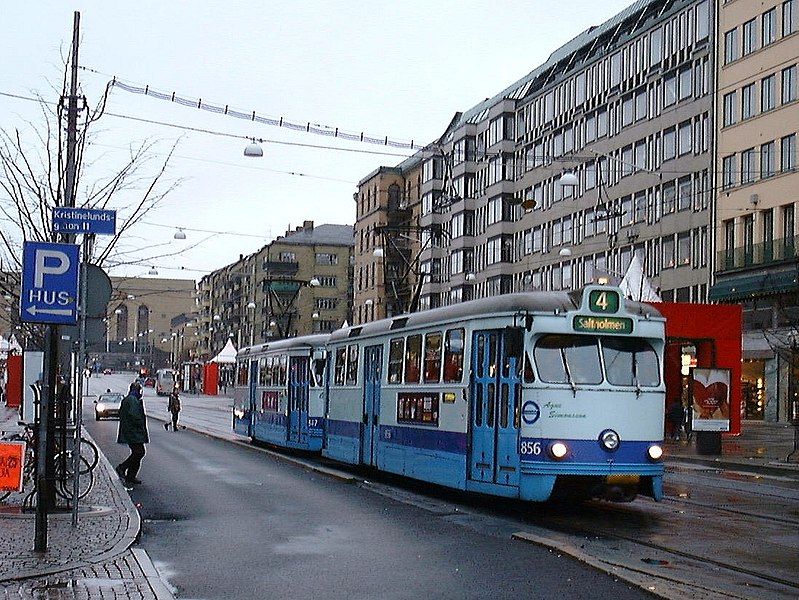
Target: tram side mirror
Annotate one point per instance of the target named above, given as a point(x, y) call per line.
point(514, 341)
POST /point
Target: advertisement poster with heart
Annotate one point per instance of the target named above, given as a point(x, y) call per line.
point(710, 392)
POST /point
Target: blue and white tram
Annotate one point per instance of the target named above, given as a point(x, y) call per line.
point(521, 395)
point(279, 397)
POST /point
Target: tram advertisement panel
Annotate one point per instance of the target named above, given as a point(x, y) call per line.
point(710, 393)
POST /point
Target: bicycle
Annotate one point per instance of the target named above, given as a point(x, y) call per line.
point(63, 467)
point(27, 436)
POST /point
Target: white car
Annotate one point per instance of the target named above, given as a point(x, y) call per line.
point(107, 405)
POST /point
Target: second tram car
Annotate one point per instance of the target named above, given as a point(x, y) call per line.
point(520, 395)
point(279, 393)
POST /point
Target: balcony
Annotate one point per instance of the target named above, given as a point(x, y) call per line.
point(757, 255)
point(281, 269)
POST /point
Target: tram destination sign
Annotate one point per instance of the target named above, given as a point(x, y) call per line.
point(594, 324)
point(84, 220)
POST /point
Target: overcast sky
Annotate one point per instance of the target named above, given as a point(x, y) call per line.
point(396, 69)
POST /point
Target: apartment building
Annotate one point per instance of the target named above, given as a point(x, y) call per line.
point(758, 195)
point(388, 241)
point(297, 285)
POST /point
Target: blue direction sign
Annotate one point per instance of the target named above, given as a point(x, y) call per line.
point(49, 283)
point(84, 220)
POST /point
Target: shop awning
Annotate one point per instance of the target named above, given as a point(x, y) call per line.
point(750, 286)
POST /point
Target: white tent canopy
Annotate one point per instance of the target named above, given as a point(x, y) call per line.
point(10, 344)
point(636, 286)
point(228, 354)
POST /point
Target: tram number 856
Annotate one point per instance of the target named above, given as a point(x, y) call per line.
point(530, 448)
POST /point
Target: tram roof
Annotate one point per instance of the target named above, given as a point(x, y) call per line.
point(305, 341)
point(532, 303)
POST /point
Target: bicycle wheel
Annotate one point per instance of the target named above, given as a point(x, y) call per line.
point(89, 451)
point(64, 476)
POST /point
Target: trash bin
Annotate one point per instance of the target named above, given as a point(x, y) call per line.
point(708, 442)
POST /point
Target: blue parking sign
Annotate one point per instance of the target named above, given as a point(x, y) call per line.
point(49, 283)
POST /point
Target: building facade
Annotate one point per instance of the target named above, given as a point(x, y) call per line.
point(667, 133)
point(758, 196)
point(301, 283)
point(387, 241)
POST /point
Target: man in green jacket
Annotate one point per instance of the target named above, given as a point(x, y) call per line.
point(133, 432)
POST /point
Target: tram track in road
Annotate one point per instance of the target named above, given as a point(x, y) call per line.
point(679, 564)
point(672, 545)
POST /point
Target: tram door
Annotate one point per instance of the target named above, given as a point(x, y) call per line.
point(298, 399)
point(494, 406)
point(372, 361)
point(252, 407)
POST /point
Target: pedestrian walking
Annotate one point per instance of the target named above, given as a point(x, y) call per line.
point(674, 419)
point(173, 406)
point(133, 432)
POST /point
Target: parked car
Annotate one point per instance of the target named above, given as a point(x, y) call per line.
point(108, 371)
point(107, 405)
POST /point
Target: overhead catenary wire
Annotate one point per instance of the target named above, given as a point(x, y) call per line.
point(282, 122)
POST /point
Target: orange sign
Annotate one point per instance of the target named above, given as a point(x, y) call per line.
point(12, 458)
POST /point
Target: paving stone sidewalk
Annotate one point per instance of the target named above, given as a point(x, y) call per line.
point(95, 559)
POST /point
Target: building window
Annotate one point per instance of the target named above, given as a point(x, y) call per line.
point(788, 153)
point(749, 37)
point(324, 258)
point(668, 253)
point(789, 84)
point(788, 18)
point(767, 93)
point(730, 46)
point(729, 109)
point(669, 144)
point(748, 101)
point(685, 145)
point(769, 29)
point(767, 160)
point(748, 165)
point(684, 248)
point(728, 172)
point(684, 193)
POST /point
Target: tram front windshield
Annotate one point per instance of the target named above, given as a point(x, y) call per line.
point(575, 359)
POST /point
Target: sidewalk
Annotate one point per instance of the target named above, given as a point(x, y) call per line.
point(761, 447)
point(98, 559)
point(94, 560)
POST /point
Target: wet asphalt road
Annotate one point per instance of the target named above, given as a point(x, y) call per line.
point(226, 521)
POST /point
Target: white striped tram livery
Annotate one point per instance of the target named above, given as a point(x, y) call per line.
point(523, 395)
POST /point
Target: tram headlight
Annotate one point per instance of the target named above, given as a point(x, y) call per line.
point(609, 440)
point(654, 452)
point(558, 450)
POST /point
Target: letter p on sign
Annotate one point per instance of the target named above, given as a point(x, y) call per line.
point(48, 262)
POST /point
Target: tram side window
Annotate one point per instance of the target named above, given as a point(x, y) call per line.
point(318, 366)
point(352, 364)
point(432, 357)
point(241, 373)
point(630, 361)
point(341, 365)
point(395, 353)
point(453, 356)
point(284, 368)
point(263, 372)
point(413, 358)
